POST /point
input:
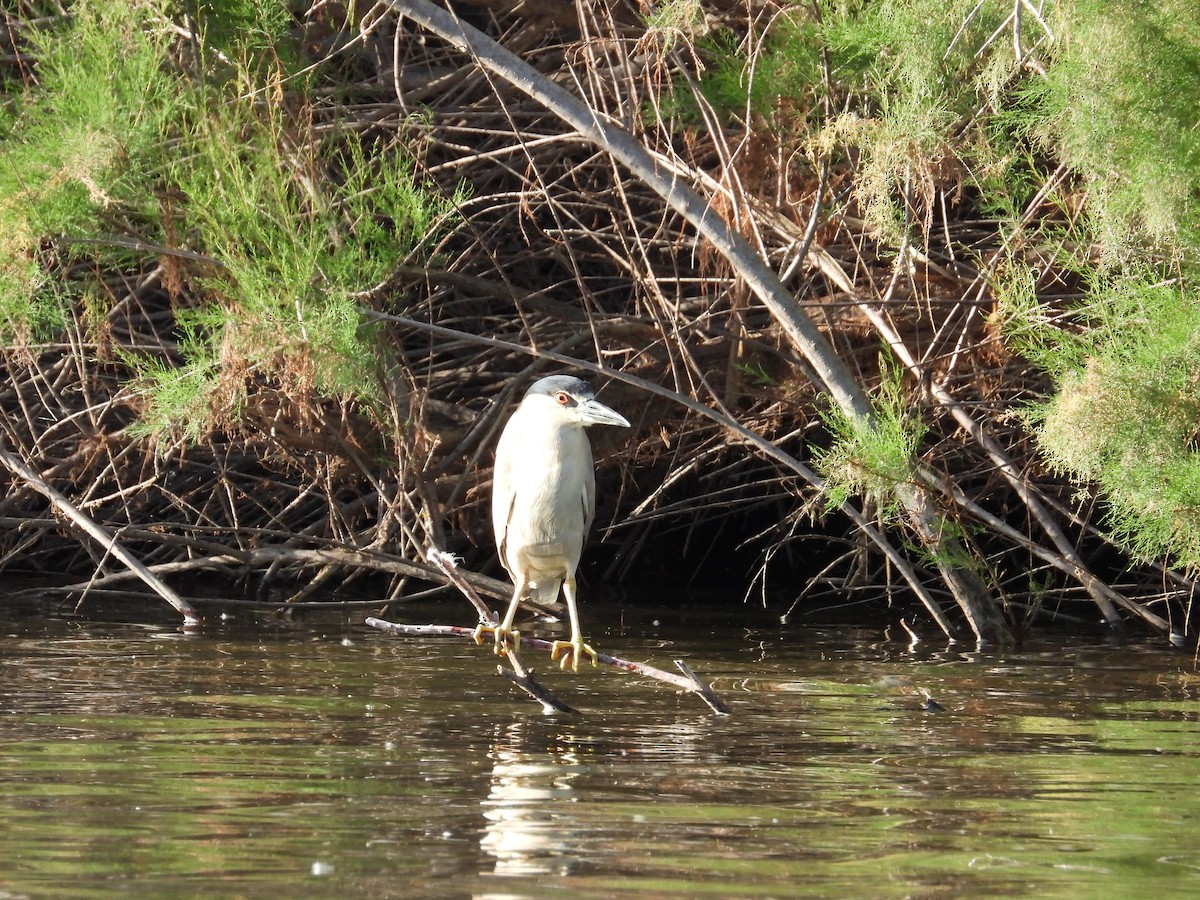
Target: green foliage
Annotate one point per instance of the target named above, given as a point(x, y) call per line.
point(179, 398)
point(300, 227)
point(903, 76)
point(921, 69)
point(871, 458)
point(675, 19)
point(74, 150)
point(1013, 168)
point(775, 84)
point(246, 30)
point(1119, 106)
point(1030, 328)
point(121, 138)
point(916, 97)
point(1127, 412)
point(757, 374)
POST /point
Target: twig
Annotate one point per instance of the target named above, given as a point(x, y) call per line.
point(448, 566)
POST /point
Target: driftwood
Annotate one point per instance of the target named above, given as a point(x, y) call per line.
point(524, 678)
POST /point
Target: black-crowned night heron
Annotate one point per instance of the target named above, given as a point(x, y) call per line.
point(543, 501)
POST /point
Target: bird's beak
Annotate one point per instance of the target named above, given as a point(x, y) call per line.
point(593, 412)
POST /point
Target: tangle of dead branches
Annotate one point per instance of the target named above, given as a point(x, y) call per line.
point(563, 252)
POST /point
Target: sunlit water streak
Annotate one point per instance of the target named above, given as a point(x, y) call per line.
point(339, 761)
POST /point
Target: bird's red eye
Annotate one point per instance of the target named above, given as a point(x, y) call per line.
point(563, 398)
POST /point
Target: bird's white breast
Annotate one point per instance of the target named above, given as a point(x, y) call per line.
point(548, 468)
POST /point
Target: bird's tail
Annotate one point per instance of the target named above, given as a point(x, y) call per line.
point(544, 594)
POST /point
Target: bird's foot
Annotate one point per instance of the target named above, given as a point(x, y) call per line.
point(570, 651)
point(504, 637)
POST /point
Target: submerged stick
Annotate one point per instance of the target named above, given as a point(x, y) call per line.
point(535, 689)
point(520, 676)
point(689, 681)
point(707, 694)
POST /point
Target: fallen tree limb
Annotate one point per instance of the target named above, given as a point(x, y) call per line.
point(232, 558)
point(203, 602)
point(520, 676)
point(101, 535)
point(690, 683)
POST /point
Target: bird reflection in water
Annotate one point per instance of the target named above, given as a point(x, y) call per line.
point(530, 827)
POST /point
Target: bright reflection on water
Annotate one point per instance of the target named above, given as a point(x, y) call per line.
point(322, 760)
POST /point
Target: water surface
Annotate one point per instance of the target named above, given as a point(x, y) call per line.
point(318, 759)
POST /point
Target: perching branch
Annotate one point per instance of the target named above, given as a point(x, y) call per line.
point(520, 676)
point(689, 681)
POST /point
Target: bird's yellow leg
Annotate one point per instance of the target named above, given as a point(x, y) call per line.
point(503, 633)
point(571, 650)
